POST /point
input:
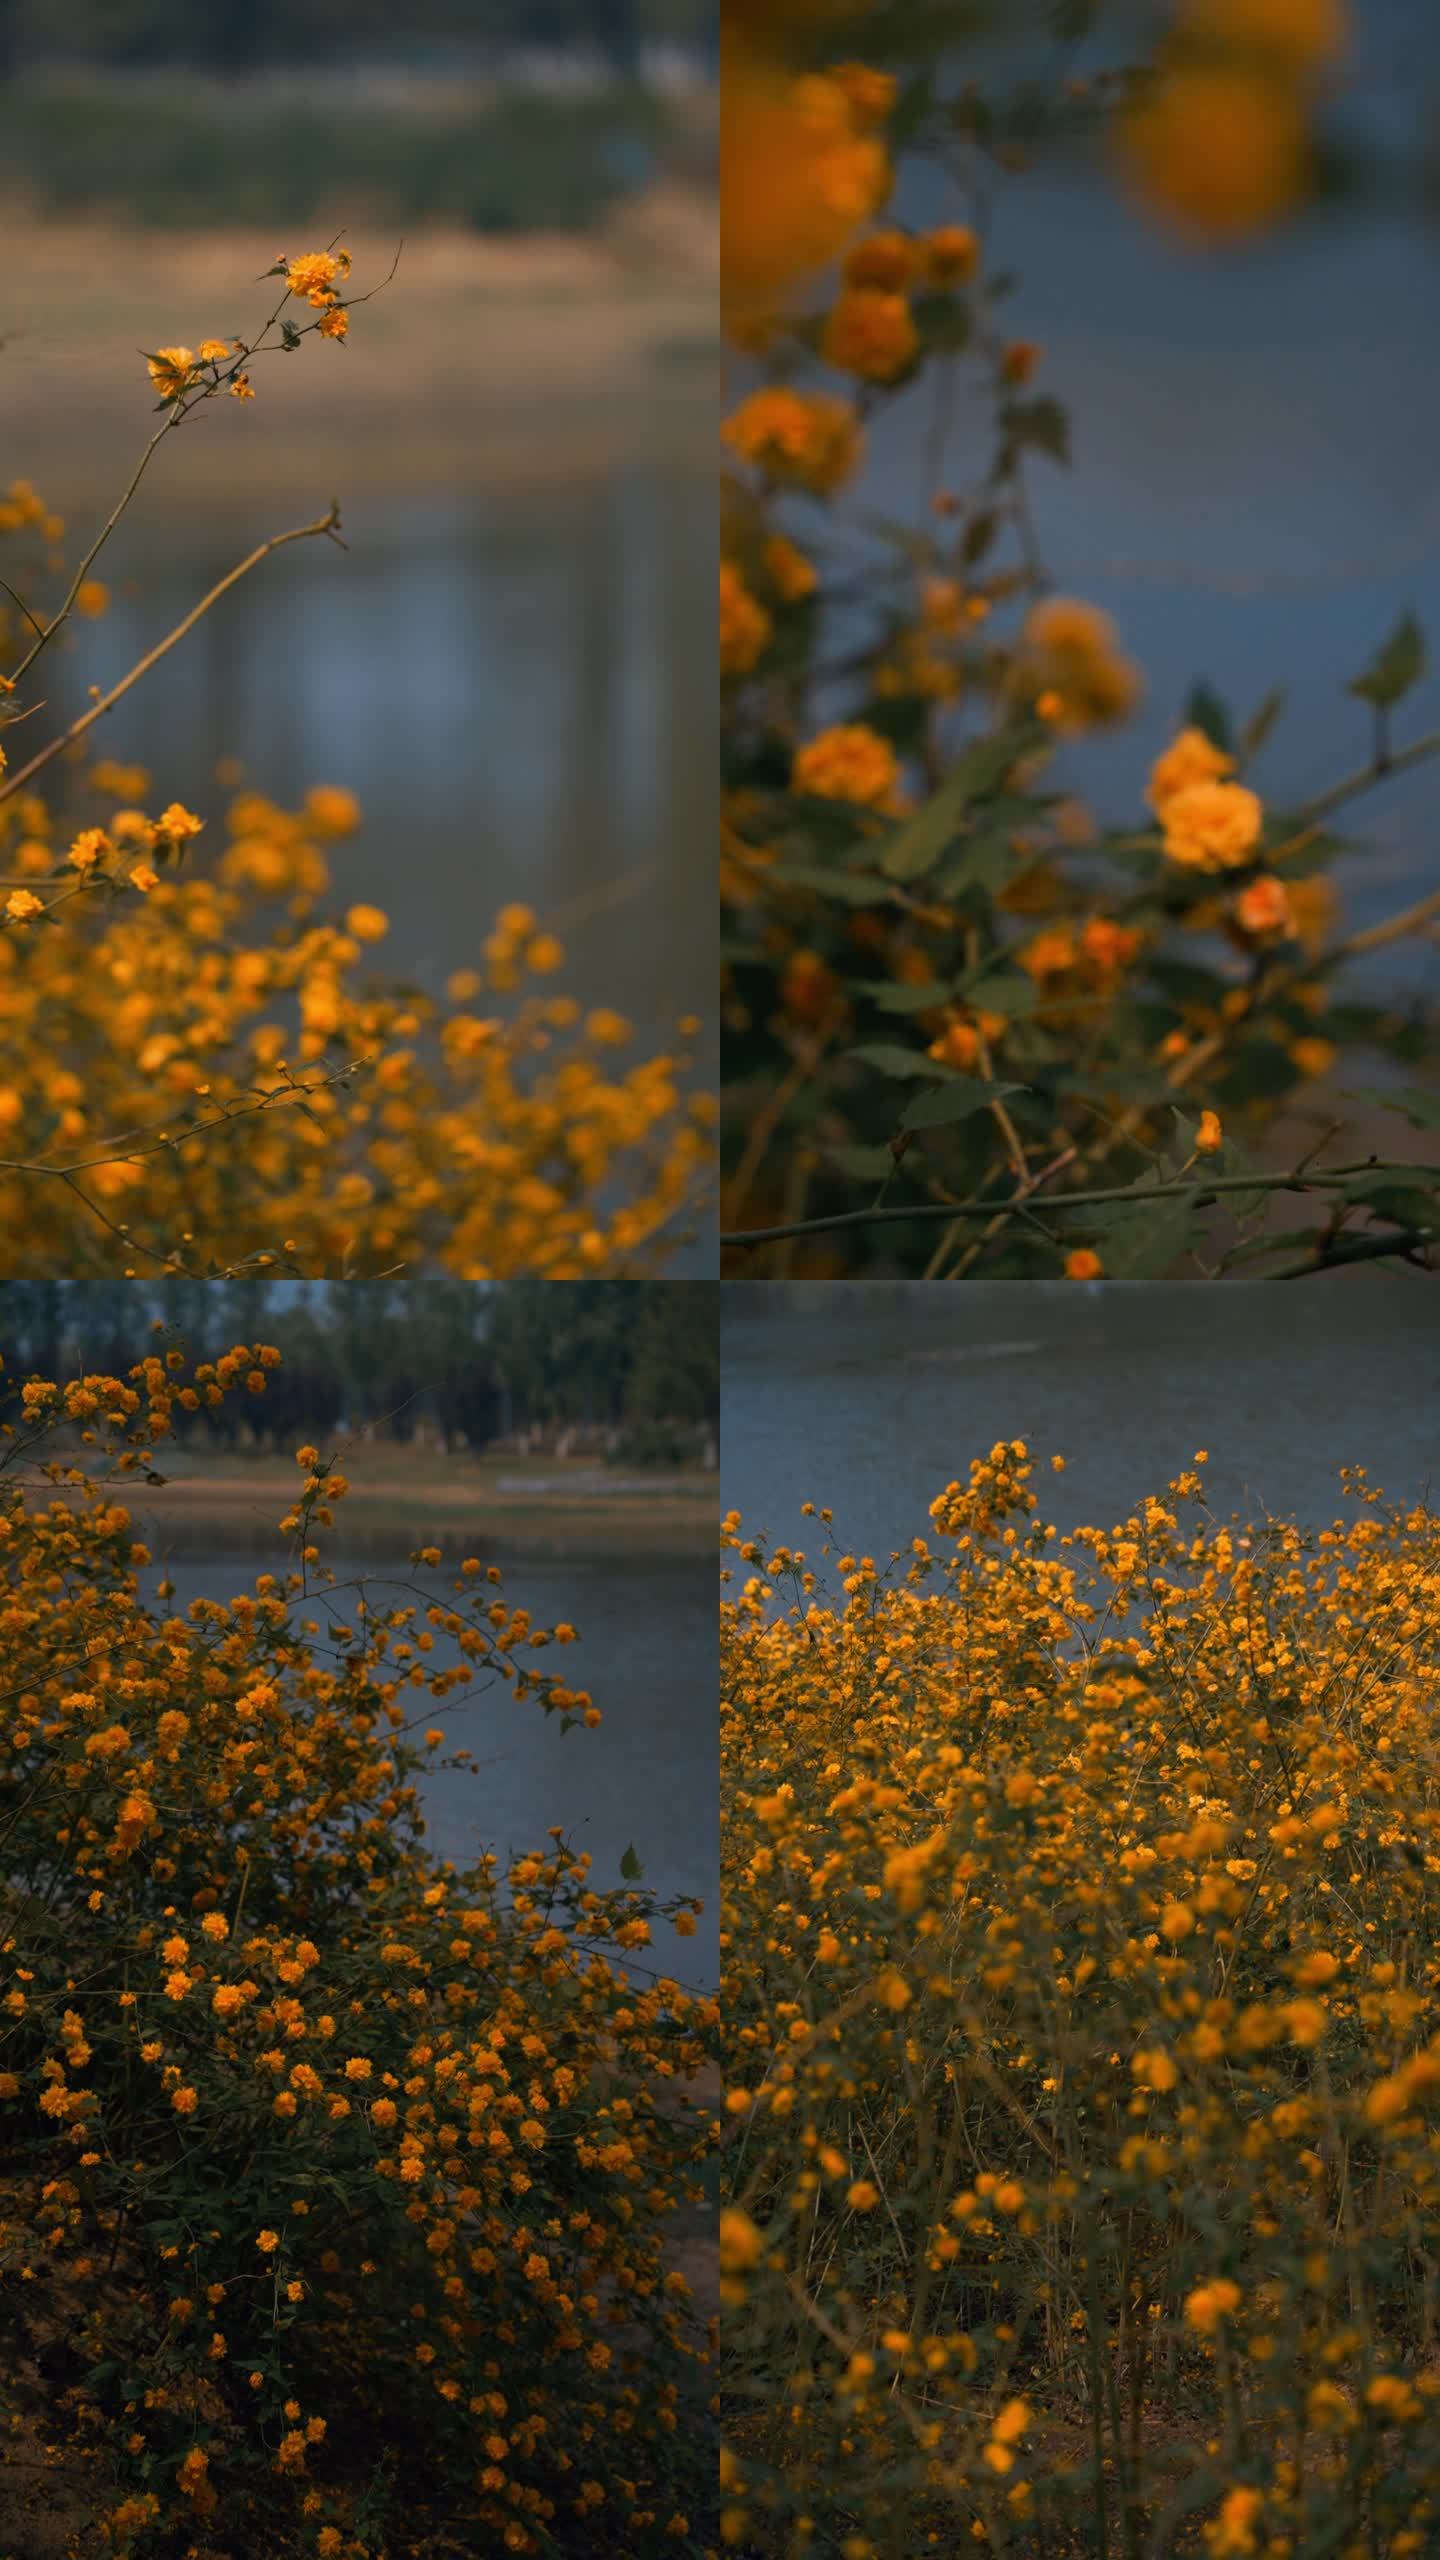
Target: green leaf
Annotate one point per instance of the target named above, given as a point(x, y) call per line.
point(943, 321)
point(1396, 667)
point(981, 862)
point(630, 1866)
point(1000, 991)
point(850, 887)
point(1041, 423)
point(1408, 1204)
point(890, 995)
point(960, 1099)
point(863, 1164)
point(1144, 1246)
point(916, 847)
point(1260, 723)
point(1421, 1109)
point(1205, 711)
point(979, 534)
point(894, 1061)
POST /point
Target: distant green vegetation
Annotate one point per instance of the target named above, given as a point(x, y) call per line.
point(521, 162)
point(636, 1358)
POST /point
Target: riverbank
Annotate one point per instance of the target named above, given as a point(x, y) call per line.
point(397, 1491)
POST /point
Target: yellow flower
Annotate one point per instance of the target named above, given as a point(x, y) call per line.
point(1212, 826)
point(952, 254)
point(1069, 650)
point(1190, 757)
point(1082, 1264)
point(368, 924)
point(1264, 910)
point(1209, 2304)
point(172, 370)
point(889, 260)
point(810, 441)
point(1216, 150)
point(799, 173)
point(852, 762)
point(745, 625)
point(313, 275)
point(1209, 1137)
point(871, 334)
point(92, 598)
point(790, 573)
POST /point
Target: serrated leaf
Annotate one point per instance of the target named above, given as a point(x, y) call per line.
point(960, 1099)
point(1395, 668)
point(894, 1061)
point(630, 1866)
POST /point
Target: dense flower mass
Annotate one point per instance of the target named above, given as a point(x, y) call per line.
point(1083, 2017)
point(312, 2144)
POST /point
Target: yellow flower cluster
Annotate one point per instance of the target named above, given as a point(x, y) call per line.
point(1070, 666)
point(802, 166)
point(296, 2120)
point(1083, 2019)
point(481, 1133)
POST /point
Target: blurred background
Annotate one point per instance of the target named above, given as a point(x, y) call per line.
point(1253, 491)
point(512, 666)
point(566, 1434)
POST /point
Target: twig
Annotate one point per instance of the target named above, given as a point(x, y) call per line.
point(326, 524)
point(1201, 1193)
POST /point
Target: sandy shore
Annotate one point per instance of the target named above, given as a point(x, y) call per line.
point(483, 359)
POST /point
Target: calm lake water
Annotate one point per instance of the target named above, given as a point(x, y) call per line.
point(871, 1397)
point(517, 682)
point(647, 1776)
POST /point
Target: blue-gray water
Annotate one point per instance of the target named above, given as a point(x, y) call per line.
point(517, 682)
point(872, 1396)
point(647, 1776)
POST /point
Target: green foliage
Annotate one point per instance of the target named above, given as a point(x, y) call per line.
point(523, 163)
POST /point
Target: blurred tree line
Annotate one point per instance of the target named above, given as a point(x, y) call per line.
point(431, 1356)
point(227, 37)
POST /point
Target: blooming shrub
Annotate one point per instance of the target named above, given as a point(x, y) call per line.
point(336, 2184)
point(968, 1027)
point(1083, 2018)
point(201, 1064)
